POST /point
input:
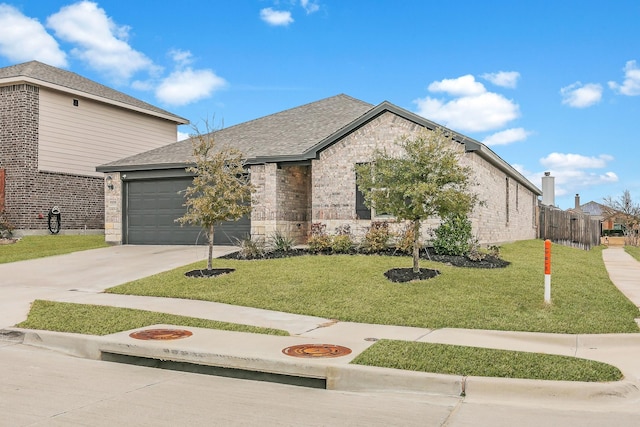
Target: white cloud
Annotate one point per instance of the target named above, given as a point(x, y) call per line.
point(182, 136)
point(472, 108)
point(578, 95)
point(506, 136)
point(182, 58)
point(479, 113)
point(571, 172)
point(25, 39)
point(631, 84)
point(462, 86)
point(276, 17)
point(575, 161)
point(309, 6)
point(507, 79)
point(102, 44)
point(185, 86)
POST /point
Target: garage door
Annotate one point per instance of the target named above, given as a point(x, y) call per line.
point(152, 207)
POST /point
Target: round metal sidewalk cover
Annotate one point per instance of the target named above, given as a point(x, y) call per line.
point(316, 350)
point(161, 334)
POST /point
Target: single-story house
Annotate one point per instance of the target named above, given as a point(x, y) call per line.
point(301, 162)
point(56, 127)
point(611, 221)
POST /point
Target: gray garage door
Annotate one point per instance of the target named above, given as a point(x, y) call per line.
point(152, 207)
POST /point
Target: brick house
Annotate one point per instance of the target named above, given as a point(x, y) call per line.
point(55, 128)
point(302, 162)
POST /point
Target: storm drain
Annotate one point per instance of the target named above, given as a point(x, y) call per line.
point(218, 371)
point(161, 334)
point(316, 350)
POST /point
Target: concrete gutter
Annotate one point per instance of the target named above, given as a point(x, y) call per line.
point(263, 354)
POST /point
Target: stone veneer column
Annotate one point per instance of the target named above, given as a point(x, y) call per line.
point(113, 209)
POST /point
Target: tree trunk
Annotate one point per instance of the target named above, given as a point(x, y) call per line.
point(210, 259)
point(416, 246)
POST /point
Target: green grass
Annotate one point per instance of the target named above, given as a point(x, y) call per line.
point(103, 320)
point(634, 251)
point(483, 362)
point(353, 288)
point(30, 247)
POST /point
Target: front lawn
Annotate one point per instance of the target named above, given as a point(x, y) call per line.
point(353, 288)
point(30, 247)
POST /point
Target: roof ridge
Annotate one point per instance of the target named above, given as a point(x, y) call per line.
point(299, 107)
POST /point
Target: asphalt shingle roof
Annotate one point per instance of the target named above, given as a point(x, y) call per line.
point(287, 134)
point(67, 79)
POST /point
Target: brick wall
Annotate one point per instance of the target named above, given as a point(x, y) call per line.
point(333, 185)
point(281, 201)
point(30, 193)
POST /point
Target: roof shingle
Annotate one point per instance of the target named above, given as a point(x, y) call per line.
point(289, 133)
point(67, 79)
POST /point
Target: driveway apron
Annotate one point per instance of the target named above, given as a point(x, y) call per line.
point(89, 271)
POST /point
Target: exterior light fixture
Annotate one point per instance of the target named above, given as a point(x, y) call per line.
point(110, 182)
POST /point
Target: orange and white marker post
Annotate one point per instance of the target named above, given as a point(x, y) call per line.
point(547, 271)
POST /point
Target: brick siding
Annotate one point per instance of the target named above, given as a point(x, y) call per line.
point(333, 186)
point(30, 193)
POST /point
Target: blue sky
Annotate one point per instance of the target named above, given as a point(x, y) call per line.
point(548, 85)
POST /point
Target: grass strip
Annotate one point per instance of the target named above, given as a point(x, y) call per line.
point(31, 247)
point(353, 288)
point(483, 362)
point(103, 320)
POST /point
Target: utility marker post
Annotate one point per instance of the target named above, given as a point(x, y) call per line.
point(547, 271)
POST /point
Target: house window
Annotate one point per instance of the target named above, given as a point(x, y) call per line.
point(362, 211)
point(507, 198)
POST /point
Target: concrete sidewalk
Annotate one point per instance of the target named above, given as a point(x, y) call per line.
point(624, 272)
point(264, 354)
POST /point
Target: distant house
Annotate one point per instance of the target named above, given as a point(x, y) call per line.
point(612, 221)
point(55, 128)
point(302, 162)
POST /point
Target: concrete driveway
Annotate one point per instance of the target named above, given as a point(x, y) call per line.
point(89, 271)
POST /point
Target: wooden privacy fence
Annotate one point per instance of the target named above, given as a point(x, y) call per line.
point(568, 228)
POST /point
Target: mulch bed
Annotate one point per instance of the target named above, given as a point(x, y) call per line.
point(209, 273)
point(403, 275)
point(396, 275)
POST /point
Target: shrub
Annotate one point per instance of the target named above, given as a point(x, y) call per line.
point(494, 251)
point(281, 242)
point(251, 248)
point(453, 236)
point(6, 228)
point(475, 254)
point(377, 237)
point(319, 240)
point(342, 243)
point(405, 241)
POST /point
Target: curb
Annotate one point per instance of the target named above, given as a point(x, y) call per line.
point(338, 374)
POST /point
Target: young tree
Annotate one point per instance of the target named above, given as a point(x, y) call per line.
point(626, 211)
point(221, 189)
point(427, 179)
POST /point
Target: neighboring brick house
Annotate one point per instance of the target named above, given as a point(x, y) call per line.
point(302, 164)
point(612, 221)
point(55, 128)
